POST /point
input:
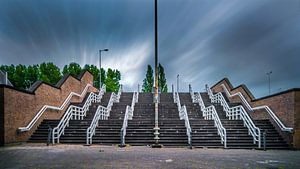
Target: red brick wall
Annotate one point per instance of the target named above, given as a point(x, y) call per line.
point(20, 107)
point(297, 120)
point(285, 105)
point(1, 116)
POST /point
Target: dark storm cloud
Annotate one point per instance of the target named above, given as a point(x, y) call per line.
point(202, 40)
point(240, 40)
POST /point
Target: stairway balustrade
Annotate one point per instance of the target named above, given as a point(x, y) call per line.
point(183, 116)
point(236, 113)
point(47, 107)
point(128, 116)
point(76, 112)
point(267, 108)
point(102, 113)
point(210, 113)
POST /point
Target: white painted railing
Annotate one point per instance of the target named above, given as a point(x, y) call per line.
point(102, 113)
point(184, 116)
point(48, 107)
point(75, 112)
point(128, 116)
point(267, 108)
point(210, 113)
point(236, 113)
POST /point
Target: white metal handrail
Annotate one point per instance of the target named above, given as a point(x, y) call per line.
point(210, 113)
point(184, 116)
point(235, 113)
point(75, 112)
point(102, 113)
point(128, 116)
point(267, 108)
point(46, 107)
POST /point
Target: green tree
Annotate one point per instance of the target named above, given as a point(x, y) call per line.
point(148, 81)
point(162, 82)
point(73, 68)
point(32, 75)
point(95, 72)
point(112, 80)
point(19, 77)
point(49, 73)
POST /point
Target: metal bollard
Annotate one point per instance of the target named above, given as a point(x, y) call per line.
point(190, 143)
point(122, 141)
point(49, 135)
point(264, 139)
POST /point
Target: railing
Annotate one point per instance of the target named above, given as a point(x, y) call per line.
point(75, 112)
point(210, 113)
point(235, 113)
point(128, 116)
point(184, 116)
point(46, 107)
point(267, 108)
point(102, 113)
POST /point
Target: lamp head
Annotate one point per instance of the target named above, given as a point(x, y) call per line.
point(105, 50)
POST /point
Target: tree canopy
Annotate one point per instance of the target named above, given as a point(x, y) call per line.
point(148, 82)
point(49, 73)
point(22, 77)
point(162, 81)
point(112, 80)
point(95, 72)
point(73, 68)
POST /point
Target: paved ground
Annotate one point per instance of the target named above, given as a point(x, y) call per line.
point(78, 156)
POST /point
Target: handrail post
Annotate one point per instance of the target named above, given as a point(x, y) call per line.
point(49, 135)
point(264, 139)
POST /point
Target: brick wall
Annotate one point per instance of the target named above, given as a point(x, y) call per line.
point(297, 120)
point(284, 104)
point(20, 107)
point(1, 116)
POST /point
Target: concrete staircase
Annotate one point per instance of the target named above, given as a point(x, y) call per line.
point(172, 129)
point(140, 128)
point(108, 131)
point(204, 133)
point(237, 134)
point(76, 132)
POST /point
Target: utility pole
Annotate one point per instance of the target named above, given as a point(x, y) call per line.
point(156, 127)
point(177, 83)
point(101, 50)
point(269, 80)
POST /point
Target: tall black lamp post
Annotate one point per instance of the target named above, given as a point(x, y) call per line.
point(101, 50)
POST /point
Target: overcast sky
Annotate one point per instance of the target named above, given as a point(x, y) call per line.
point(201, 40)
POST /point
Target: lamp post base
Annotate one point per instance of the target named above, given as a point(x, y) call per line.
point(156, 138)
point(156, 145)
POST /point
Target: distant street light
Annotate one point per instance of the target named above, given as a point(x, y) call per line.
point(101, 50)
point(177, 83)
point(269, 79)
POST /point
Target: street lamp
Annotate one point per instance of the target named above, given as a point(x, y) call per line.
point(177, 83)
point(101, 50)
point(269, 78)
